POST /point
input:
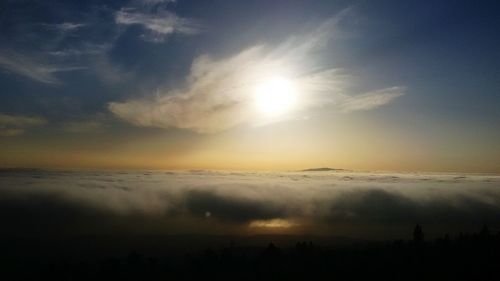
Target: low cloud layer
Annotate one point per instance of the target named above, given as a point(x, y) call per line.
point(337, 203)
point(219, 92)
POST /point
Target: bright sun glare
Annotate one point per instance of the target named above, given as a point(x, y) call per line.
point(275, 95)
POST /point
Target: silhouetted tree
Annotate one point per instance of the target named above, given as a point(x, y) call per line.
point(418, 234)
point(485, 232)
point(272, 251)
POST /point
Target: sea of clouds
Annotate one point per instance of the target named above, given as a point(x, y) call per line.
point(354, 204)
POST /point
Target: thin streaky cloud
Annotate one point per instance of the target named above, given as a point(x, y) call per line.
point(11, 132)
point(159, 25)
point(66, 26)
point(14, 125)
point(30, 68)
point(155, 2)
point(86, 49)
point(90, 124)
point(370, 100)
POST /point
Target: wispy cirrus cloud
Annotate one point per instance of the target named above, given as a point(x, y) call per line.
point(159, 24)
point(65, 26)
point(14, 125)
point(219, 92)
point(85, 49)
point(31, 68)
point(155, 2)
point(370, 100)
point(96, 58)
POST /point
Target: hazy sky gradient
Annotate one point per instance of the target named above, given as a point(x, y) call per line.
point(385, 85)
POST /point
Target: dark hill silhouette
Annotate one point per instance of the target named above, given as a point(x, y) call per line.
point(322, 169)
point(461, 257)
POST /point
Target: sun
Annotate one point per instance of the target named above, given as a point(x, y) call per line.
point(276, 95)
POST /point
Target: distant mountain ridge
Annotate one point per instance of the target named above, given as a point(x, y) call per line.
point(322, 169)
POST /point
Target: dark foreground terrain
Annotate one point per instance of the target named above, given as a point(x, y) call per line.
point(457, 257)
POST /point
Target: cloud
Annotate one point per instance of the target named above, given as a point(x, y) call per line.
point(218, 92)
point(109, 72)
point(371, 99)
point(92, 124)
point(97, 59)
point(346, 203)
point(85, 49)
point(214, 99)
point(65, 26)
point(83, 126)
point(11, 125)
point(156, 2)
point(30, 68)
point(159, 24)
point(11, 132)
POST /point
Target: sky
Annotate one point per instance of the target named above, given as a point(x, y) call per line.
point(259, 85)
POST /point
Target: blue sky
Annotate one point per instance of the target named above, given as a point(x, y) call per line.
point(415, 76)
